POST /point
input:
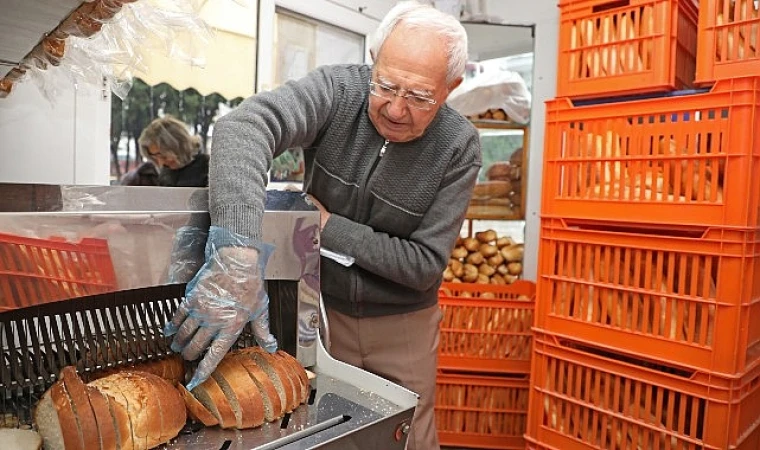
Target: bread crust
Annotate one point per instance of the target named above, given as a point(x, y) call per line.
point(249, 399)
point(88, 427)
point(69, 428)
point(266, 361)
point(226, 415)
point(195, 409)
point(123, 423)
point(299, 371)
point(106, 423)
point(265, 385)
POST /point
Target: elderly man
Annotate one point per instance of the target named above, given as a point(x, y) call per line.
point(392, 170)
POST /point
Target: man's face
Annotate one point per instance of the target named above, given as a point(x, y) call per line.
point(411, 62)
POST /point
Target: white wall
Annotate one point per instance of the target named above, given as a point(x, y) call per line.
point(60, 142)
point(544, 14)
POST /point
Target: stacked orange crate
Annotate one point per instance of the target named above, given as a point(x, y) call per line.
point(484, 361)
point(648, 303)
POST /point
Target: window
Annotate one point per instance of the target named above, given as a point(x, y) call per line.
point(301, 45)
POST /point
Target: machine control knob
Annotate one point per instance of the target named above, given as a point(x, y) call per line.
point(402, 429)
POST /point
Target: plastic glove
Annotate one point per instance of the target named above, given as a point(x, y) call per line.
point(187, 254)
point(220, 300)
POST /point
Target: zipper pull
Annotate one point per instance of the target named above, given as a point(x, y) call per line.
point(382, 149)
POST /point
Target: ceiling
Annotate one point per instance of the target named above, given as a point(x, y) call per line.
point(488, 41)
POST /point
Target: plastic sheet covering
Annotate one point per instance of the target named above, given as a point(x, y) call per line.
point(108, 41)
point(493, 90)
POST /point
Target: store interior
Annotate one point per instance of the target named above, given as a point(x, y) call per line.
point(603, 292)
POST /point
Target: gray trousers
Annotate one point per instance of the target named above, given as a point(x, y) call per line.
point(401, 348)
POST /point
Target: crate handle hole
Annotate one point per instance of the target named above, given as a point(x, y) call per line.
point(610, 5)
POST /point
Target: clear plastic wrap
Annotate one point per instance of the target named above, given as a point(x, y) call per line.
point(502, 89)
point(111, 39)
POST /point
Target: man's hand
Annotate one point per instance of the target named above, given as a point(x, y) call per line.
point(324, 215)
point(224, 296)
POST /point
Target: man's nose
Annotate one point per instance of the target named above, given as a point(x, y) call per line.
point(397, 107)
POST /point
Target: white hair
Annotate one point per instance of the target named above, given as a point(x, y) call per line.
point(417, 15)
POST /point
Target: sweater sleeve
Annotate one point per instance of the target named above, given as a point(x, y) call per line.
point(247, 139)
point(419, 261)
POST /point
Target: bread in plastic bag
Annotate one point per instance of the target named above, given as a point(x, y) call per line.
point(493, 90)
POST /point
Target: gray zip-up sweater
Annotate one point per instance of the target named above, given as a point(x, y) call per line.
point(398, 214)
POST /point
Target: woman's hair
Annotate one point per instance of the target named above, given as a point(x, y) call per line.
point(416, 15)
point(171, 136)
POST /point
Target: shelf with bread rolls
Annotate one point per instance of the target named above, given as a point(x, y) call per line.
point(500, 191)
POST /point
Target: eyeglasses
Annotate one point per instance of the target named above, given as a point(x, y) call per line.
point(413, 101)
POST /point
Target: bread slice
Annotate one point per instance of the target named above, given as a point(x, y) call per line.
point(242, 393)
point(159, 392)
point(276, 373)
point(80, 402)
point(106, 422)
point(117, 403)
point(122, 423)
point(124, 388)
point(273, 406)
point(285, 371)
point(195, 409)
point(297, 370)
point(173, 412)
point(211, 396)
point(48, 424)
point(16, 439)
point(72, 440)
point(281, 381)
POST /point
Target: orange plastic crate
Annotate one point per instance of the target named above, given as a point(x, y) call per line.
point(610, 48)
point(531, 444)
point(692, 299)
point(582, 399)
point(34, 271)
point(486, 327)
point(692, 159)
point(729, 40)
point(481, 412)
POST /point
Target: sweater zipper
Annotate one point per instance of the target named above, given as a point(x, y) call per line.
point(356, 306)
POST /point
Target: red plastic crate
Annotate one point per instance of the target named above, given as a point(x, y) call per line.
point(583, 399)
point(486, 327)
point(611, 47)
point(684, 160)
point(729, 40)
point(481, 412)
point(692, 299)
point(34, 271)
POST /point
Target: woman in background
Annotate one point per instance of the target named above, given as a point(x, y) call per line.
point(178, 154)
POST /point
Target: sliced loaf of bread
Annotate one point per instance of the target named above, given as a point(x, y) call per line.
point(243, 395)
point(273, 405)
point(211, 396)
point(196, 410)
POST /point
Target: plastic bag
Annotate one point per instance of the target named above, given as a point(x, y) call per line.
point(493, 90)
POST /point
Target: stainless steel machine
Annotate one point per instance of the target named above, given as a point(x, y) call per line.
point(89, 276)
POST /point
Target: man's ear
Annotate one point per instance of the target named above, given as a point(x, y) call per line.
point(455, 84)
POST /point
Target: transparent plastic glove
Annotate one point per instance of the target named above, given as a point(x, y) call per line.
point(188, 253)
point(225, 294)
